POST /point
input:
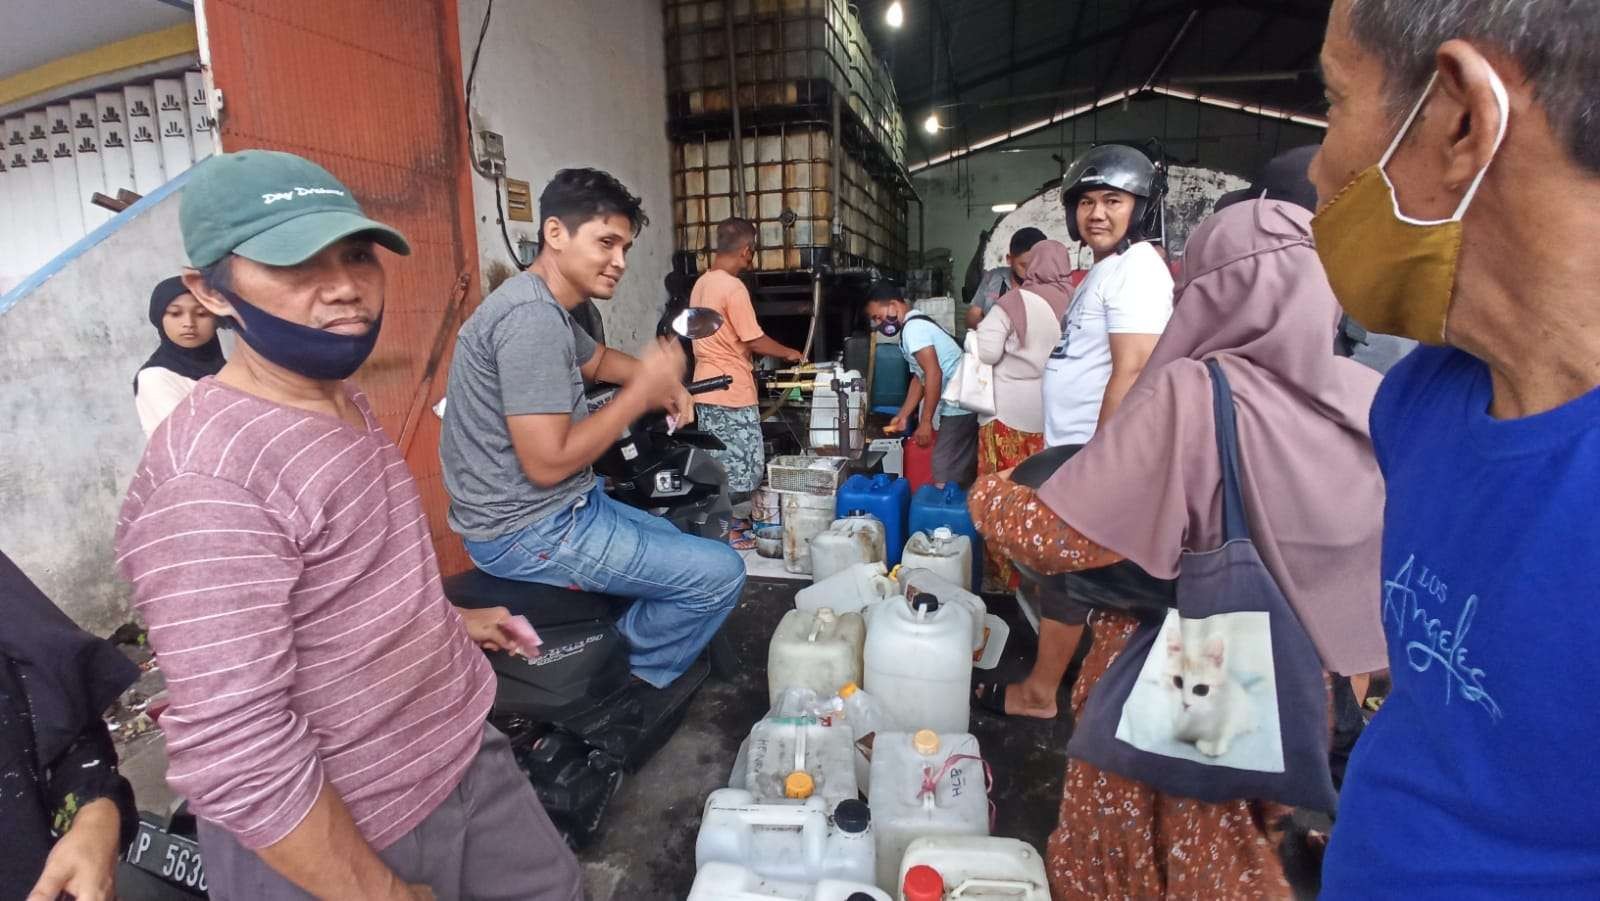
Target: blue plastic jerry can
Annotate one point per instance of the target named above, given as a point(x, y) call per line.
point(883, 496)
point(934, 507)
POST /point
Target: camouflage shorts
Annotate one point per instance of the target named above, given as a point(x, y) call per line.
point(740, 429)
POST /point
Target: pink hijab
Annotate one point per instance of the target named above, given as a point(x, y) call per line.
point(1148, 486)
point(1049, 273)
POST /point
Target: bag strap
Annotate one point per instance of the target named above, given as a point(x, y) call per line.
point(1234, 524)
point(918, 314)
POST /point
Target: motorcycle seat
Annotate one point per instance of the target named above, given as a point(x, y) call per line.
point(543, 605)
point(1120, 585)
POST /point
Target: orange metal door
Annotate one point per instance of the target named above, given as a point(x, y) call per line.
point(371, 89)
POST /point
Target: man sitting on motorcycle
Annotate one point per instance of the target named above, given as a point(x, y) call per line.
point(518, 440)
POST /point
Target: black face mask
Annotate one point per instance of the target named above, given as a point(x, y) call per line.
point(889, 327)
point(301, 349)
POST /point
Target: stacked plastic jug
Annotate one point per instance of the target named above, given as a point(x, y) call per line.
point(850, 540)
point(933, 508)
point(884, 497)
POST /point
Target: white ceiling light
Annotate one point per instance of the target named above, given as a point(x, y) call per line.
point(895, 15)
point(1003, 208)
point(931, 124)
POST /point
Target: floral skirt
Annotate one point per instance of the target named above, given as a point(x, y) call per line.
point(1001, 447)
point(1118, 838)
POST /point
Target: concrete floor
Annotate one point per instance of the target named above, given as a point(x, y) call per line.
point(647, 848)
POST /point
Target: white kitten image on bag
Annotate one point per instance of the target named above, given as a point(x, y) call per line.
point(1213, 709)
point(1206, 693)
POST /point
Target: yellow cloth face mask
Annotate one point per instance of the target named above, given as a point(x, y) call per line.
point(1393, 274)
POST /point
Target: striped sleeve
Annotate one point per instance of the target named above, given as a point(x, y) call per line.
point(212, 570)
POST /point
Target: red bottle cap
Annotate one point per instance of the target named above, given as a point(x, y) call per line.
point(923, 883)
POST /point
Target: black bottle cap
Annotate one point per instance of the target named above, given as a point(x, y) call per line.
point(924, 599)
point(852, 816)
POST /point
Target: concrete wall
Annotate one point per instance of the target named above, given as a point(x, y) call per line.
point(578, 84)
point(959, 194)
point(68, 351)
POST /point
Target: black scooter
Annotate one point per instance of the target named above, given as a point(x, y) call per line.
point(576, 717)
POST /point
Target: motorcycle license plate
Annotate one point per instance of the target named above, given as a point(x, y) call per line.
point(171, 857)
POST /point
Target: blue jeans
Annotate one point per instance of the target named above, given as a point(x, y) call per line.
point(685, 585)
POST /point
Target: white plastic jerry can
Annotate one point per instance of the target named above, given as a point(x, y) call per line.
point(980, 867)
point(924, 784)
point(815, 649)
point(918, 662)
point(731, 882)
point(795, 842)
point(914, 580)
point(943, 553)
point(854, 539)
point(793, 759)
point(848, 591)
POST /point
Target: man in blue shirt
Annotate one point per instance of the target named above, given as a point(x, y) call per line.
point(1477, 778)
point(934, 356)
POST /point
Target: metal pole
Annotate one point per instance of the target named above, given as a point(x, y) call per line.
point(838, 164)
point(736, 149)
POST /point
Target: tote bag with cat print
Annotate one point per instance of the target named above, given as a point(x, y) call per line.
point(1223, 698)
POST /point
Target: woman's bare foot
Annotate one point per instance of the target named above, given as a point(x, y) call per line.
point(1020, 698)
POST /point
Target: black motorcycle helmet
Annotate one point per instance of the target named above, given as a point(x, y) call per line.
point(1124, 168)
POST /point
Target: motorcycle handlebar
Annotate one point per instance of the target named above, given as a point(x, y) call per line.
point(705, 386)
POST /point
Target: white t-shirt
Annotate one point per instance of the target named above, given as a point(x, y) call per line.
point(160, 392)
point(1130, 293)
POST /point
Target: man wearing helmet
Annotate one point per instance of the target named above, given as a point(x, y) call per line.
point(1112, 196)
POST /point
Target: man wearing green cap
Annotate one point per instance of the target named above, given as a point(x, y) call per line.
point(328, 704)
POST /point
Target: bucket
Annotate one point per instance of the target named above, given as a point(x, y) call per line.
point(804, 517)
point(766, 507)
point(769, 540)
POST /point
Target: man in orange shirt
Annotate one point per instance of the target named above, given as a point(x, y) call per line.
point(732, 414)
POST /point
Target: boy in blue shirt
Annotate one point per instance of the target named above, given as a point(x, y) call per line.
point(934, 356)
point(1477, 779)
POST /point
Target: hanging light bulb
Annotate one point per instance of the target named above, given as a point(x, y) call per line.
point(931, 124)
point(895, 15)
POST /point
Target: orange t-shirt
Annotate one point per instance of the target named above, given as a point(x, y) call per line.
point(724, 353)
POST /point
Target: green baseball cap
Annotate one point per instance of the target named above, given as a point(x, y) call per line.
point(275, 208)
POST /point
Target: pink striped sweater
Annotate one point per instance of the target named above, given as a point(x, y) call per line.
point(282, 562)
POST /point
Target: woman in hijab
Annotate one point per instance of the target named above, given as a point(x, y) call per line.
point(189, 351)
point(65, 812)
point(1148, 487)
point(1016, 338)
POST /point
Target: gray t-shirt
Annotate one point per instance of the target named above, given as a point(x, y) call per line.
point(995, 283)
point(518, 354)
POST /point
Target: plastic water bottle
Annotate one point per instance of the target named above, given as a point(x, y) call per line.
point(865, 717)
point(864, 714)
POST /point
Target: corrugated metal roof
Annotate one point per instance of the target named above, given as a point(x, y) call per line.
point(989, 66)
